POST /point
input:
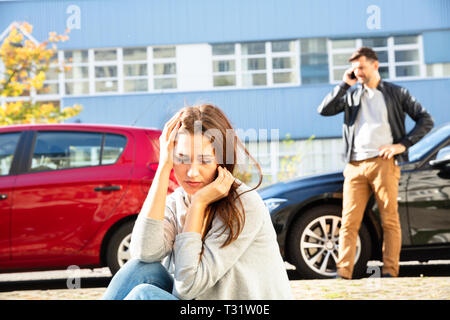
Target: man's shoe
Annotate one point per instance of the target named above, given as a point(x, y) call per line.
point(387, 275)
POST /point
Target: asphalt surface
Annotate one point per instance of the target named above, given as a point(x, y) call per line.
point(416, 281)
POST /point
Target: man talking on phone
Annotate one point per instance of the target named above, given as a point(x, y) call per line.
point(375, 141)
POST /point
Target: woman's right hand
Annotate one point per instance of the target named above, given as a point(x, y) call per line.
point(167, 141)
point(215, 190)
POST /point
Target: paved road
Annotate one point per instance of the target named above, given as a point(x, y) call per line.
point(416, 281)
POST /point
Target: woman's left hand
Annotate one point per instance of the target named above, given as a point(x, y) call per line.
point(216, 190)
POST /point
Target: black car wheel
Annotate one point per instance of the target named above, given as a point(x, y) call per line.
point(313, 243)
point(118, 252)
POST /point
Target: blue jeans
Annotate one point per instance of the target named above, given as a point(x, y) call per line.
point(138, 280)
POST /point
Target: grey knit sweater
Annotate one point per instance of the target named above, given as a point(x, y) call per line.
point(251, 267)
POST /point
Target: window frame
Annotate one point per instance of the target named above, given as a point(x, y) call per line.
point(164, 76)
point(391, 48)
point(82, 80)
point(268, 55)
point(26, 166)
point(295, 55)
point(139, 77)
point(300, 61)
point(56, 82)
point(238, 72)
point(106, 63)
point(237, 66)
point(429, 67)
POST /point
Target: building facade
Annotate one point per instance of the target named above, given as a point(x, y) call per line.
point(267, 64)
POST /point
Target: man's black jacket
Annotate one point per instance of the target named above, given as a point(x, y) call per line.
point(398, 103)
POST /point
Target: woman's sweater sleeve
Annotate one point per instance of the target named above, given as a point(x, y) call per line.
point(152, 240)
point(195, 274)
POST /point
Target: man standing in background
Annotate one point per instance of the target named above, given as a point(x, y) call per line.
point(375, 139)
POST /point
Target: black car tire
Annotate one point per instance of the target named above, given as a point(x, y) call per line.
point(112, 250)
point(299, 227)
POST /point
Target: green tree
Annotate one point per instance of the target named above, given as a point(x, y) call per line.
point(25, 65)
point(289, 164)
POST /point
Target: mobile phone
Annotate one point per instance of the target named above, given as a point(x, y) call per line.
point(352, 75)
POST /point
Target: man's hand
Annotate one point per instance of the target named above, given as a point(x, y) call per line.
point(346, 78)
point(388, 151)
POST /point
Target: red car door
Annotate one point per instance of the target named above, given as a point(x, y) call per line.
point(72, 186)
point(8, 144)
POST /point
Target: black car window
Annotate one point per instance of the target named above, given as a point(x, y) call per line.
point(113, 148)
point(429, 142)
point(8, 144)
point(54, 150)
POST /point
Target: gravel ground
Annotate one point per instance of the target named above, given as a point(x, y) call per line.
point(424, 288)
point(402, 288)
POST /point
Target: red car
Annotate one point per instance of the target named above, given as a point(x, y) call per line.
point(70, 193)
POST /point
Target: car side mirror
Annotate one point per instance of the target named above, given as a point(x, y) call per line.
point(442, 158)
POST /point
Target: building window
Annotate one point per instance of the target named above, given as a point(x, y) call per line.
point(232, 65)
point(400, 57)
point(135, 75)
point(314, 61)
point(164, 68)
point(255, 64)
point(51, 82)
point(224, 65)
point(105, 70)
point(407, 57)
point(380, 46)
point(76, 79)
point(339, 52)
point(438, 70)
point(284, 62)
point(253, 60)
point(120, 70)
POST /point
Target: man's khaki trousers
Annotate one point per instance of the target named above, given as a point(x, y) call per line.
point(361, 178)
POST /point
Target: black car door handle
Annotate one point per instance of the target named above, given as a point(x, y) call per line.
point(109, 188)
point(3, 196)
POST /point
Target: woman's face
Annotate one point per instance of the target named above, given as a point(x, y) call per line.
point(194, 164)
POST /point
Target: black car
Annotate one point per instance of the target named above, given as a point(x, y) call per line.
point(306, 213)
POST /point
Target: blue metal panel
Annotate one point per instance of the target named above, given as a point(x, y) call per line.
point(434, 95)
point(436, 45)
point(142, 22)
point(290, 110)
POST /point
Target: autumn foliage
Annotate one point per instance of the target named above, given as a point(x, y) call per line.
point(25, 65)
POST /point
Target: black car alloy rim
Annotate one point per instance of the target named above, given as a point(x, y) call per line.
point(319, 245)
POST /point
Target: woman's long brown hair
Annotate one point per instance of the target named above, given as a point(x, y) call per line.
point(212, 119)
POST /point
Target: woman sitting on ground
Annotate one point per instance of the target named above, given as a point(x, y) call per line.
point(214, 234)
